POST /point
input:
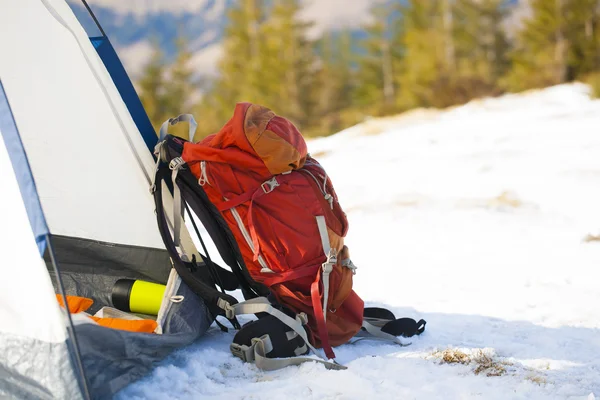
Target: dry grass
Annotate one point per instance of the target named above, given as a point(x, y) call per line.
point(319, 154)
point(487, 365)
point(378, 125)
point(406, 203)
point(505, 199)
point(483, 362)
point(452, 356)
point(540, 380)
point(589, 238)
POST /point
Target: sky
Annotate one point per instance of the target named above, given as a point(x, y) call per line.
point(325, 13)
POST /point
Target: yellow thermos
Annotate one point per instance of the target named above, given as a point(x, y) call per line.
point(137, 296)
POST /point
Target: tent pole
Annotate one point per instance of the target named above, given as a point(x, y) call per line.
point(70, 327)
point(93, 17)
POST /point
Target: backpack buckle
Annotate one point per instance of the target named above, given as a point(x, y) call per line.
point(270, 185)
point(176, 163)
point(302, 318)
point(228, 308)
point(245, 353)
point(332, 256)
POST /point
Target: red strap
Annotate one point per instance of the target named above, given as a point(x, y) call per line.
point(242, 198)
point(236, 201)
point(291, 275)
point(252, 194)
point(318, 310)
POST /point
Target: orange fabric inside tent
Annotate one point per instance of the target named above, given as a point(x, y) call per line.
point(80, 304)
point(76, 303)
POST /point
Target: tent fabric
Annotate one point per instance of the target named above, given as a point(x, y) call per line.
point(22, 272)
point(78, 133)
point(12, 141)
point(34, 356)
point(92, 170)
point(90, 164)
point(36, 369)
point(113, 358)
point(90, 268)
point(119, 76)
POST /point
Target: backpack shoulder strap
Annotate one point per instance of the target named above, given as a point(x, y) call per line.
point(185, 266)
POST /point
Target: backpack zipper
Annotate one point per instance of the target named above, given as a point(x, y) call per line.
point(323, 189)
point(203, 174)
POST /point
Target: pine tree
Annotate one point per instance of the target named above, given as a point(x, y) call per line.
point(588, 14)
point(167, 90)
point(241, 77)
point(541, 57)
point(428, 62)
point(481, 48)
point(241, 67)
point(559, 43)
point(267, 60)
point(334, 84)
point(288, 62)
point(181, 87)
point(583, 31)
point(480, 39)
point(152, 87)
point(378, 67)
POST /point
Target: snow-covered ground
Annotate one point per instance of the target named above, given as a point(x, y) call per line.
point(474, 219)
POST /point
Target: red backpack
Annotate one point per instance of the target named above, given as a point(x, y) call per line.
point(282, 212)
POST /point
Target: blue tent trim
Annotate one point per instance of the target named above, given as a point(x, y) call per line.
point(20, 163)
point(119, 76)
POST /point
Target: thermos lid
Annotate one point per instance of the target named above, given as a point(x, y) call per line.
point(121, 293)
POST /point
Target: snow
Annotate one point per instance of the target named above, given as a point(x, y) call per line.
point(472, 218)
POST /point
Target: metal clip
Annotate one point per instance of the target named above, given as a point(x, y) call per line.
point(270, 185)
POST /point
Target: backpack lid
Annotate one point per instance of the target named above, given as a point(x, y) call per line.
point(257, 130)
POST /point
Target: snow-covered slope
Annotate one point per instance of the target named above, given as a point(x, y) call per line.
point(473, 218)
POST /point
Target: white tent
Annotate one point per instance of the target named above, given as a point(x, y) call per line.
point(30, 327)
point(74, 173)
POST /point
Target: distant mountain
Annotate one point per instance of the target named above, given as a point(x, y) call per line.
point(133, 25)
